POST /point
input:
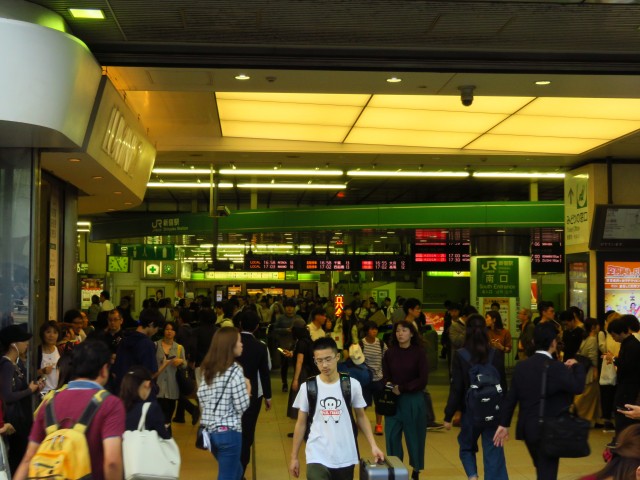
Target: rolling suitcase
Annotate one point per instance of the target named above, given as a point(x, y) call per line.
point(392, 469)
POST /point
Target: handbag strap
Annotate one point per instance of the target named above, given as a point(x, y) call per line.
point(543, 390)
point(222, 393)
point(143, 416)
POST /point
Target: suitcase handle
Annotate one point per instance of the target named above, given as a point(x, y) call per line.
point(392, 471)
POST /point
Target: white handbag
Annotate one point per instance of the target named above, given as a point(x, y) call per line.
point(146, 456)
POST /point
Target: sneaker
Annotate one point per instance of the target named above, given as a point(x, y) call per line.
point(608, 427)
point(612, 444)
point(434, 426)
point(195, 417)
point(378, 430)
point(285, 389)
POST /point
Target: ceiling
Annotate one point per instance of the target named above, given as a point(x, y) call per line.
point(169, 59)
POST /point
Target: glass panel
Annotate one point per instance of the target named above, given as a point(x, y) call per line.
point(16, 186)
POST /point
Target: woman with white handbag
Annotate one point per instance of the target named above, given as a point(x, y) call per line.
point(148, 450)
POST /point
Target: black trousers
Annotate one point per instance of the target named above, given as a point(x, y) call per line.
point(185, 404)
point(167, 406)
point(249, 422)
point(607, 394)
point(284, 369)
point(546, 467)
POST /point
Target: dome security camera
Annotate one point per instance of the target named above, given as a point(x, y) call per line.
point(466, 94)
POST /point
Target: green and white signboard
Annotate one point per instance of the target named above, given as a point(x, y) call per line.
point(497, 276)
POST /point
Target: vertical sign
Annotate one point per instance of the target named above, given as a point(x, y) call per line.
point(577, 224)
point(54, 232)
point(497, 276)
point(338, 305)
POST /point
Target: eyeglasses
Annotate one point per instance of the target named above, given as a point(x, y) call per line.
point(322, 361)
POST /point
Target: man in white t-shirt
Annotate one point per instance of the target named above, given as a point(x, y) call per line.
point(316, 327)
point(331, 451)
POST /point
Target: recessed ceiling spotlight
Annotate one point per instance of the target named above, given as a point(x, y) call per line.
point(117, 193)
point(97, 177)
point(74, 160)
point(501, 231)
point(111, 209)
point(128, 203)
point(394, 80)
point(242, 76)
point(543, 82)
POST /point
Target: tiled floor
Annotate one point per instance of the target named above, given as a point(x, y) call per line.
point(273, 447)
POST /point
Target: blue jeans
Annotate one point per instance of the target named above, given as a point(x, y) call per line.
point(495, 467)
point(226, 447)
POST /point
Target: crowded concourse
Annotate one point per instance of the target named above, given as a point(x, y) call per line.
point(142, 365)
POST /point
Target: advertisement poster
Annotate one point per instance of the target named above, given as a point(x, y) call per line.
point(436, 320)
point(622, 287)
point(579, 285)
point(505, 312)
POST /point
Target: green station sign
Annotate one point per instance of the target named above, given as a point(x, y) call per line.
point(497, 276)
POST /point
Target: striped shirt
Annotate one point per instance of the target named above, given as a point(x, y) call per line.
point(229, 391)
point(373, 357)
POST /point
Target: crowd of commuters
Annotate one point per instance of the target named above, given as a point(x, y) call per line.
point(591, 366)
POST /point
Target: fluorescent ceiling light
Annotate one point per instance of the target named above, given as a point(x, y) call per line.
point(295, 186)
point(282, 171)
point(389, 173)
point(543, 82)
point(83, 230)
point(183, 171)
point(206, 245)
point(242, 76)
point(563, 127)
point(358, 100)
point(83, 224)
point(517, 175)
point(608, 108)
point(87, 13)
point(394, 80)
point(186, 185)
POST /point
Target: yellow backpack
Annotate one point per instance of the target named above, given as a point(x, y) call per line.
point(64, 453)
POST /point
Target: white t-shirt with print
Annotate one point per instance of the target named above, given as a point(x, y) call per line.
point(331, 442)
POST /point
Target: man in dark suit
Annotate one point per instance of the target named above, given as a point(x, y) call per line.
point(255, 362)
point(563, 382)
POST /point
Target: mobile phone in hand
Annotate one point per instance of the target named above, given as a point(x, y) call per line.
point(171, 357)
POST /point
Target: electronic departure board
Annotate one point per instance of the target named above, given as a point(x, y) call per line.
point(547, 257)
point(326, 262)
point(270, 262)
point(382, 262)
point(442, 256)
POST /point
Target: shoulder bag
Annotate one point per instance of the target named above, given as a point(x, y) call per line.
point(185, 378)
point(564, 436)
point(202, 429)
point(139, 461)
point(387, 403)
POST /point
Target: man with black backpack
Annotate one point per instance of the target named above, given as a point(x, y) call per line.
point(478, 385)
point(326, 420)
point(79, 431)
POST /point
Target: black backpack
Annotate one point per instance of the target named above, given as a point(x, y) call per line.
point(312, 397)
point(485, 394)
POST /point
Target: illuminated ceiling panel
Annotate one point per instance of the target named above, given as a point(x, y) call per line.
point(568, 126)
point(531, 144)
point(413, 138)
point(405, 119)
point(279, 131)
point(565, 127)
point(450, 103)
point(610, 108)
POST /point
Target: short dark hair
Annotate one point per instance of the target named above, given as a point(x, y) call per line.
point(106, 294)
point(618, 326)
point(95, 299)
point(468, 310)
point(416, 339)
point(495, 304)
point(249, 320)
point(150, 316)
point(544, 305)
point(289, 302)
point(566, 316)
point(410, 304)
point(318, 311)
point(89, 357)
point(324, 343)
point(453, 306)
point(369, 325)
point(543, 335)
point(46, 326)
point(70, 315)
point(632, 322)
